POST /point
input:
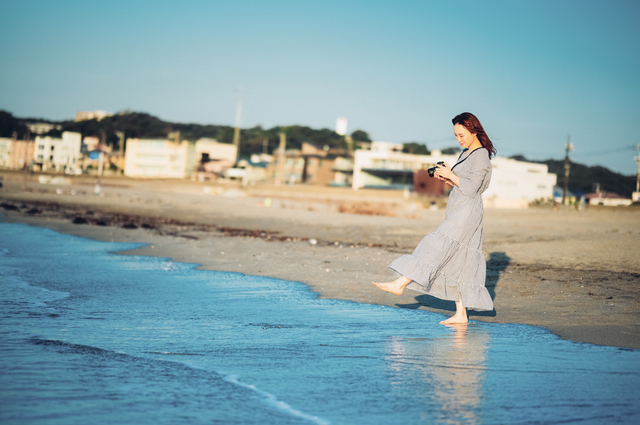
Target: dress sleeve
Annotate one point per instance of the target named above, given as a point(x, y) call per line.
point(471, 184)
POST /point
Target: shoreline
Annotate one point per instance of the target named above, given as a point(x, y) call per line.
point(534, 277)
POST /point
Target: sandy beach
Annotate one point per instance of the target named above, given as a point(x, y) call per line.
point(576, 273)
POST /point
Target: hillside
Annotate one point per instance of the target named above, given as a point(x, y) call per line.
point(142, 125)
point(585, 179)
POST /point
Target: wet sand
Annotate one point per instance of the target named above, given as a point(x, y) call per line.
point(576, 273)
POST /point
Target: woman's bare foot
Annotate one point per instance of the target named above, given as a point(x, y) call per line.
point(455, 320)
point(460, 317)
point(396, 287)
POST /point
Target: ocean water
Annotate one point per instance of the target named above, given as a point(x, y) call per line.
point(88, 336)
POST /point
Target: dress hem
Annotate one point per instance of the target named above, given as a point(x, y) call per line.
point(474, 296)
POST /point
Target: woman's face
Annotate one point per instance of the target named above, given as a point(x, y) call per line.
point(464, 136)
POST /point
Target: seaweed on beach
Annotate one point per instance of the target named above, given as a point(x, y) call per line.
point(172, 227)
point(8, 207)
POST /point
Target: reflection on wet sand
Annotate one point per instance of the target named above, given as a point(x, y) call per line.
point(445, 374)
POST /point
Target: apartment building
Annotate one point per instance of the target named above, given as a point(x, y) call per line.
point(159, 158)
point(52, 153)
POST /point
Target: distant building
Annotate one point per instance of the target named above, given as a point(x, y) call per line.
point(212, 150)
point(58, 154)
point(159, 158)
point(385, 166)
point(365, 146)
point(213, 159)
point(341, 126)
point(298, 168)
point(42, 127)
point(378, 146)
point(20, 154)
point(609, 199)
point(91, 115)
point(5, 152)
point(513, 184)
point(516, 183)
point(247, 172)
point(308, 165)
point(342, 172)
point(91, 143)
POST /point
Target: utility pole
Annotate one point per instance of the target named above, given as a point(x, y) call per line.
point(349, 141)
point(637, 194)
point(567, 168)
point(281, 159)
point(236, 131)
point(120, 135)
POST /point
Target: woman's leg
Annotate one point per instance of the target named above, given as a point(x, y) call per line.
point(460, 316)
point(395, 287)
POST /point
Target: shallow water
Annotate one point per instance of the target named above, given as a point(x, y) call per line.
point(92, 337)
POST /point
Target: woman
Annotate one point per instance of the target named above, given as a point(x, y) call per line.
point(449, 263)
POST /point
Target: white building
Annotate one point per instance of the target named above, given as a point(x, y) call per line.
point(91, 115)
point(91, 143)
point(212, 150)
point(385, 162)
point(608, 199)
point(5, 149)
point(58, 154)
point(516, 183)
point(159, 158)
point(42, 127)
point(377, 146)
point(513, 183)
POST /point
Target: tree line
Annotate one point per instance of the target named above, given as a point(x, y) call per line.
point(583, 179)
point(141, 125)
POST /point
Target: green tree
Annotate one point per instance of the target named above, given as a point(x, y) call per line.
point(519, 158)
point(10, 125)
point(584, 179)
point(360, 136)
point(451, 151)
point(415, 148)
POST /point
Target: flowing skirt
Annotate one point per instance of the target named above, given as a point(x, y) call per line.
point(449, 262)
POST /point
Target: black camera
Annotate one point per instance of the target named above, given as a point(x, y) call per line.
point(433, 170)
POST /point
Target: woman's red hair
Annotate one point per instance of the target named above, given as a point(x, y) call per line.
point(471, 123)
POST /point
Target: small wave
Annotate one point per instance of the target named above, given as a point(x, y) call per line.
point(17, 290)
point(4, 252)
point(272, 400)
point(269, 325)
point(74, 347)
point(168, 266)
point(269, 398)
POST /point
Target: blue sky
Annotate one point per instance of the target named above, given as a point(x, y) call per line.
point(534, 72)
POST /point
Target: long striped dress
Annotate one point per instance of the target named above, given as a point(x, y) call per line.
point(449, 262)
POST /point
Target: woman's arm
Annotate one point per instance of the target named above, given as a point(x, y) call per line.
point(471, 184)
point(444, 173)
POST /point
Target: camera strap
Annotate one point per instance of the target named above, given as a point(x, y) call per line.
point(467, 157)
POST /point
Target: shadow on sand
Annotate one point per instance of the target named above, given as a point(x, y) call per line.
point(498, 262)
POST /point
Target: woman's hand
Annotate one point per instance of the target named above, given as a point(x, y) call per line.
point(444, 173)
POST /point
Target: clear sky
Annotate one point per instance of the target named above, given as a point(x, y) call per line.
point(533, 71)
